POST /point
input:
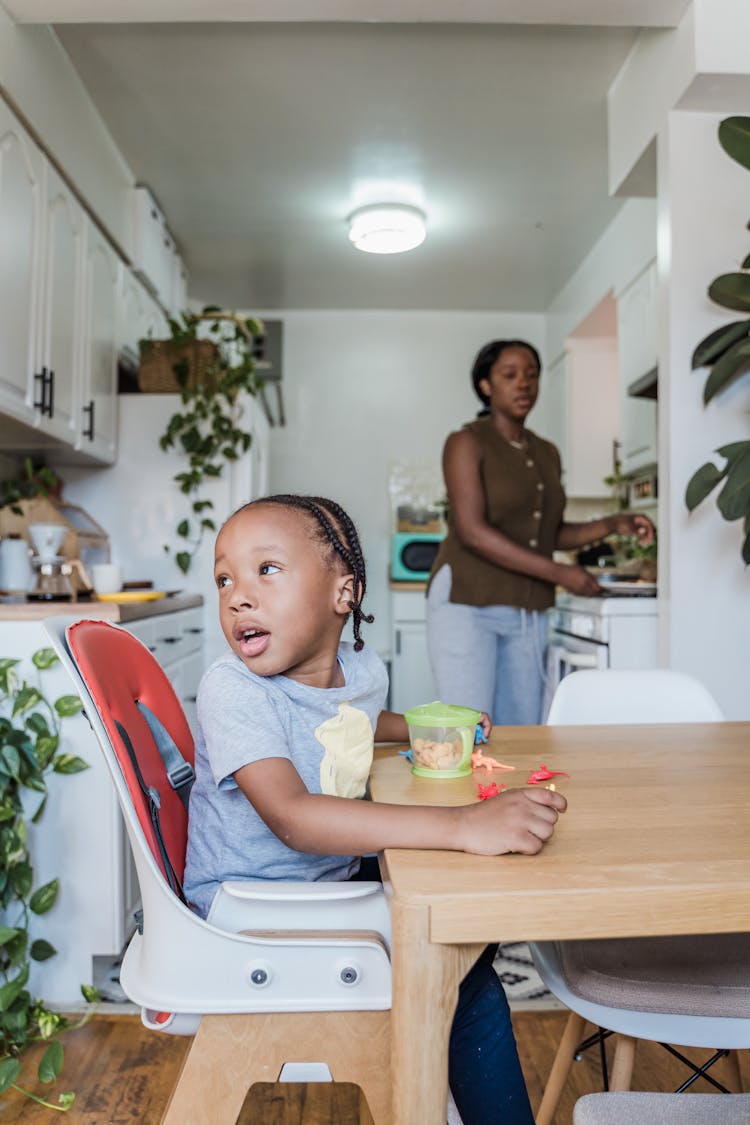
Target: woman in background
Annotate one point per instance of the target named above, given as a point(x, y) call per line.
point(494, 576)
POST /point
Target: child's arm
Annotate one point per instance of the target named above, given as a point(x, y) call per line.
point(519, 820)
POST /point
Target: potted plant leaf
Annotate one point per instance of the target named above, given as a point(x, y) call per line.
point(30, 727)
point(209, 360)
point(726, 351)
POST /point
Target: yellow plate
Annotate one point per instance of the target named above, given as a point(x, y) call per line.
point(132, 596)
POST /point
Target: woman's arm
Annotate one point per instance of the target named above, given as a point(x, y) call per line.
point(467, 504)
point(573, 535)
point(520, 820)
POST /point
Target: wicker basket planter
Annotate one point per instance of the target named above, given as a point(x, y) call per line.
point(156, 369)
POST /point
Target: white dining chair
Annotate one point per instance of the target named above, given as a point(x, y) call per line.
point(662, 1109)
point(694, 991)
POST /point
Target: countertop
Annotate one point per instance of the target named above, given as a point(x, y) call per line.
point(397, 584)
point(108, 611)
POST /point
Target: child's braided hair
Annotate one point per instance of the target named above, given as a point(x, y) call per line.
point(336, 528)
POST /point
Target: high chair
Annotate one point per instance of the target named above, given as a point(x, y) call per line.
point(280, 973)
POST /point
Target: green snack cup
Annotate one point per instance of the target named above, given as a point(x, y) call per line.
point(441, 737)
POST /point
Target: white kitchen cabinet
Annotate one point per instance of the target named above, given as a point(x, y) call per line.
point(81, 838)
point(97, 392)
point(140, 314)
point(61, 319)
point(21, 215)
point(411, 677)
point(578, 410)
point(637, 347)
point(154, 252)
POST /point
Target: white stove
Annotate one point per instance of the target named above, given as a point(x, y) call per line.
point(605, 632)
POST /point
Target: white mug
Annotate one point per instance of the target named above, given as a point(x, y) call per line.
point(106, 577)
point(15, 566)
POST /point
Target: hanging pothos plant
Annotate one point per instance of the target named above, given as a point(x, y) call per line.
point(207, 428)
point(727, 352)
point(29, 750)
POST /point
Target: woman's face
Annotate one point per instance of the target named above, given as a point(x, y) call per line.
point(513, 383)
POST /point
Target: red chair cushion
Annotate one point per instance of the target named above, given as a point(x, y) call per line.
point(118, 670)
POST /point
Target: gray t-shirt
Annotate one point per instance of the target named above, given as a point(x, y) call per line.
point(327, 735)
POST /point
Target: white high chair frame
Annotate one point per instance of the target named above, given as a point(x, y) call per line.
point(279, 973)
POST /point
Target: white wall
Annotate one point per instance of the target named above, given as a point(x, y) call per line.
point(362, 389)
point(704, 585)
point(40, 79)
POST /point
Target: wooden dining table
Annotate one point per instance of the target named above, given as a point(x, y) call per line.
point(656, 840)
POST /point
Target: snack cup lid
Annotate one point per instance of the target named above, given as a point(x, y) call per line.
point(442, 715)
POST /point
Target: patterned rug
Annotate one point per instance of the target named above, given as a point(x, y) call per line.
point(522, 983)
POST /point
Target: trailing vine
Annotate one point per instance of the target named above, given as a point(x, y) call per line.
point(30, 728)
point(208, 428)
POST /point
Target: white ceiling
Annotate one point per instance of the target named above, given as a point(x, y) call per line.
point(258, 139)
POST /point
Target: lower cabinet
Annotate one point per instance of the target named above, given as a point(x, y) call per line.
point(80, 839)
point(411, 677)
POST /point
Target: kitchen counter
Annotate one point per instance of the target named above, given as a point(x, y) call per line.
point(398, 584)
point(109, 611)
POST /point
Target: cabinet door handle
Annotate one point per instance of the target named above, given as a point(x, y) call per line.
point(171, 640)
point(41, 377)
point(194, 629)
point(398, 642)
point(88, 431)
point(190, 699)
point(51, 403)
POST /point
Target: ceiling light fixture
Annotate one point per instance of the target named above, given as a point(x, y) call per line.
point(387, 228)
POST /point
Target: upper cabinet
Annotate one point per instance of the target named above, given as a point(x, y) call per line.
point(578, 411)
point(61, 312)
point(68, 304)
point(21, 213)
point(637, 346)
point(97, 401)
point(155, 255)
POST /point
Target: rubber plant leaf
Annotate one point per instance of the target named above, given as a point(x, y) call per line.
point(731, 291)
point(718, 342)
point(734, 499)
point(734, 138)
point(703, 481)
point(732, 363)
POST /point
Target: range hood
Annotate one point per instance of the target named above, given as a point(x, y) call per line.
point(647, 386)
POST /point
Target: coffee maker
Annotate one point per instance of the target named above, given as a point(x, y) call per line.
point(53, 571)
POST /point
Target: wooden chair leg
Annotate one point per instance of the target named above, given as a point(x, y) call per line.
point(734, 1075)
point(232, 1052)
point(560, 1068)
point(622, 1067)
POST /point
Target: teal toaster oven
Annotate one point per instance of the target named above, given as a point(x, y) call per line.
point(413, 553)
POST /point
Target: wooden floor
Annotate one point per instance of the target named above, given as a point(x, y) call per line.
point(122, 1074)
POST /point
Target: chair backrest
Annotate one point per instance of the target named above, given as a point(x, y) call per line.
point(654, 695)
point(127, 686)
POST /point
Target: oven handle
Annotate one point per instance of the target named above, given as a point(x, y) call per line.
point(578, 659)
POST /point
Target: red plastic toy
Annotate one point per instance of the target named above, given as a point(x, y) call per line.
point(487, 791)
point(536, 777)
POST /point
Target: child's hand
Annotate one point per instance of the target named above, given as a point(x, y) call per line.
point(486, 724)
point(518, 820)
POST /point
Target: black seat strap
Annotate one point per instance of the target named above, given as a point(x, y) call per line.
point(153, 801)
point(179, 772)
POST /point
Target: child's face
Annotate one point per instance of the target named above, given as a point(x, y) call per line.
point(282, 606)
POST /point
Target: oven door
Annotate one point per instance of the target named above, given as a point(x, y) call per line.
point(566, 654)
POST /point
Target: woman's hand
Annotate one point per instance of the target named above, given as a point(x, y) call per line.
point(576, 580)
point(625, 523)
point(519, 820)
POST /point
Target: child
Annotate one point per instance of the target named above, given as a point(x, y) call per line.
point(287, 721)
